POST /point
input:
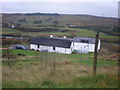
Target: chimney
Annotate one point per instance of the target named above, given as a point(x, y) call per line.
point(64, 37)
point(51, 36)
point(13, 26)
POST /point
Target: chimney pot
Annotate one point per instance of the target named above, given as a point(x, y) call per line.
point(64, 37)
point(51, 36)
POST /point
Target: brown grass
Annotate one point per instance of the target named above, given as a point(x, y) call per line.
point(64, 72)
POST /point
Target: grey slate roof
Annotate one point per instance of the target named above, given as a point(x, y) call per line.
point(47, 41)
point(81, 39)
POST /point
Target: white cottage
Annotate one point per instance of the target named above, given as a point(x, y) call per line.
point(51, 44)
point(63, 45)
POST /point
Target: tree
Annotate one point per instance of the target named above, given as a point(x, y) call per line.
point(22, 20)
point(72, 34)
point(10, 57)
point(18, 25)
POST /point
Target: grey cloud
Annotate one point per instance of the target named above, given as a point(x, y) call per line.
point(94, 8)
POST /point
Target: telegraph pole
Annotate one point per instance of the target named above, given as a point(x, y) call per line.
point(95, 53)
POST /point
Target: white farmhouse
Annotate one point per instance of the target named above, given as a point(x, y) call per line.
point(63, 45)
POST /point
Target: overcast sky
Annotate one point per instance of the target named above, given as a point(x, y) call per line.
point(107, 8)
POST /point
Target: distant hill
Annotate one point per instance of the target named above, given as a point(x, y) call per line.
point(103, 24)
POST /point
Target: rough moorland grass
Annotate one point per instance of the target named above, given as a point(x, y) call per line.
point(87, 59)
point(32, 76)
point(77, 73)
point(98, 81)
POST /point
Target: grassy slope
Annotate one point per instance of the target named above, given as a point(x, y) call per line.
point(63, 19)
point(76, 73)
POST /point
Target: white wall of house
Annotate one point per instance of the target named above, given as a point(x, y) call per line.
point(50, 49)
point(92, 47)
point(99, 44)
point(63, 50)
point(84, 47)
point(80, 47)
point(32, 46)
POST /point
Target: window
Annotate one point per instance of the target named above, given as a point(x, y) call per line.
point(84, 41)
point(38, 46)
point(53, 48)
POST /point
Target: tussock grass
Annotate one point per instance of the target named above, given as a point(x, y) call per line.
point(72, 71)
point(66, 76)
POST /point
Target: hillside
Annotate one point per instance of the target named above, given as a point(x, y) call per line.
point(29, 23)
point(76, 20)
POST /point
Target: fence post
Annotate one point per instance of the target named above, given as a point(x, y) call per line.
point(46, 59)
point(95, 53)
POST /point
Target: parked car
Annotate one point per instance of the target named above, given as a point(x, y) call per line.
point(20, 47)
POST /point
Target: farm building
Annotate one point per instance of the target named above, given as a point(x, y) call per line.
point(63, 45)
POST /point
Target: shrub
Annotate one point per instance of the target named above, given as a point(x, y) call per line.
point(37, 22)
point(41, 29)
point(8, 54)
point(74, 52)
point(11, 41)
point(114, 48)
point(110, 40)
point(21, 54)
point(55, 23)
point(22, 20)
point(48, 19)
point(48, 83)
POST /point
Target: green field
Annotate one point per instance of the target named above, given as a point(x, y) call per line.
point(84, 59)
point(79, 32)
point(72, 71)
